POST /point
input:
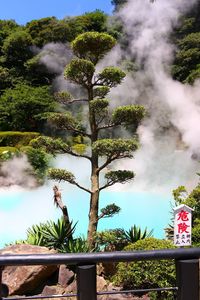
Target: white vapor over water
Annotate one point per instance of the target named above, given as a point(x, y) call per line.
point(17, 172)
point(170, 134)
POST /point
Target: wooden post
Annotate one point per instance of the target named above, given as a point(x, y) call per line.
point(86, 282)
point(187, 275)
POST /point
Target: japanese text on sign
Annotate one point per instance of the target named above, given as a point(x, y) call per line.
point(182, 225)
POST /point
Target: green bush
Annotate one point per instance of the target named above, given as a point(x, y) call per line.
point(147, 274)
point(16, 138)
point(39, 160)
point(7, 153)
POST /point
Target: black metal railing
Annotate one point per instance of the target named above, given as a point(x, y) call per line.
point(187, 270)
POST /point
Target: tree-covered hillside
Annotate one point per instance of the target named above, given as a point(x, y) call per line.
point(22, 52)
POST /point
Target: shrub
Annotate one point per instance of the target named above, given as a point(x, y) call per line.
point(147, 274)
point(16, 138)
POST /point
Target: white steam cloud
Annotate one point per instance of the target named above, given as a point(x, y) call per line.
point(17, 171)
point(170, 136)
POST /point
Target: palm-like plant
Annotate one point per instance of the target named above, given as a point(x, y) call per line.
point(77, 245)
point(57, 234)
point(50, 234)
point(135, 233)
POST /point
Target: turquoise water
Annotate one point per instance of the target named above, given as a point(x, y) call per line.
point(20, 209)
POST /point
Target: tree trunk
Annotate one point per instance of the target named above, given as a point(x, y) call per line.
point(58, 202)
point(93, 212)
point(94, 199)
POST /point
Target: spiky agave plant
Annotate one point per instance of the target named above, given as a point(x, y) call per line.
point(50, 234)
point(57, 234)
point(135, 234)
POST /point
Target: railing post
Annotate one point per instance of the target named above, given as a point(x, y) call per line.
point(86, 282)
point(1, 270)
point(187, 275)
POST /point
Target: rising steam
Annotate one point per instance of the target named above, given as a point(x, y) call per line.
point(17, 172)
point(170, 135)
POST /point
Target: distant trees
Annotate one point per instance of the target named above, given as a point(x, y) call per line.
point(186, 66)
point(20, 106)
point(118, 3)
point(89, 48)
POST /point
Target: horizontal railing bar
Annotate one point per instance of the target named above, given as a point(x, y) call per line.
point(98, 293)
point(138, 291)
point(40, 297)
point(90, 258)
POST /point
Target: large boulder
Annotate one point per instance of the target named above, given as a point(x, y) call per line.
point(26, 280)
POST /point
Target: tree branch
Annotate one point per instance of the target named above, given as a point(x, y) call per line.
point(108, 126)
point(111, 159)
point(78, 155)
point(107, 185)
point(75, 100)
point(77, 131)
point(81, 187)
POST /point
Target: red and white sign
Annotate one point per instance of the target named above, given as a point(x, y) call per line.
point(182, 225)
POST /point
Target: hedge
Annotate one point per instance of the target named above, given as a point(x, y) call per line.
point(16, 138)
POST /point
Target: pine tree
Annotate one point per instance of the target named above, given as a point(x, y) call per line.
point(89, 48)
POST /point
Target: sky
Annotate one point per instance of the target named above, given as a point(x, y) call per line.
point(23, 11)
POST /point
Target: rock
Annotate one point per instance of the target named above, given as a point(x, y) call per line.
point(55, 290)
point(65, 276)
point(101, 284)
point(72, 288)
point(25, 280)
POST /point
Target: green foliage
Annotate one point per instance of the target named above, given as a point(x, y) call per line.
point(186, 63)
point(99, 105)
point(192, 199)
point(80, 71)
point(117, 239)
point(16, 49)
point(121, 176)
point(64, 121)
point(38, 159)
point(128, 115)
point(110, 77)
point(57, 234)
point(16, 138)
point(109, 211)
point(196, 233)
point(101, 91)
point(135, 234)
point(180, 194)
point(6, 28)
point(115, 147)
point(7, 153)
point(61, 174)
point(49, 145)
point(36, 72)
point(92, 46)
point(147, 274)
point(118, 3)
point(79, 148)
point(63, 97)
point(20, 106)
point(91, 21)
point(5, 79)
point(48, 30)
point(50, 234)
point(78, 245)
point(111, 240)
